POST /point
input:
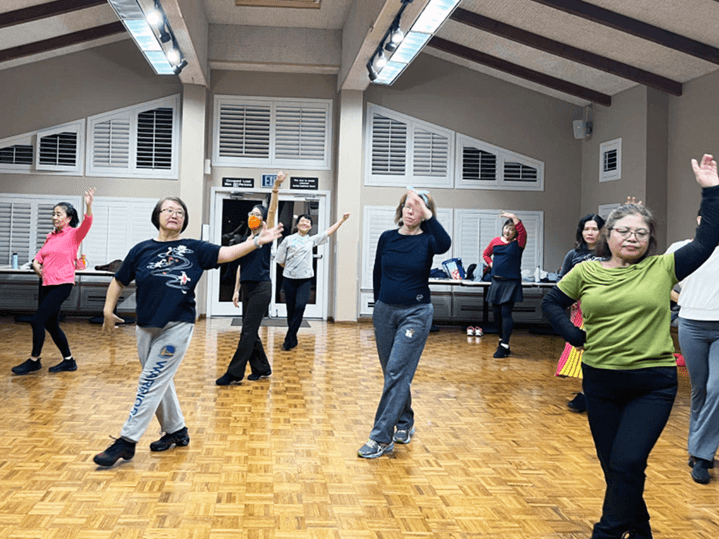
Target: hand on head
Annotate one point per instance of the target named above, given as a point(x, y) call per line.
point(706, 171)
point(633, 200)
point(418, 204)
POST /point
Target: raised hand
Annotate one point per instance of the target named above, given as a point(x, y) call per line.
point(281, 177)
point(268, 235)
point(633, 200)
point(417, 203)
point(89, 197)
point(345, 216)
point(706, 171)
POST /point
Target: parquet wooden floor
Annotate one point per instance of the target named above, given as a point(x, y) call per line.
point(496, 452)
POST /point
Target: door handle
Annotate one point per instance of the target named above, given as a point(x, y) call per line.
point(317, 257)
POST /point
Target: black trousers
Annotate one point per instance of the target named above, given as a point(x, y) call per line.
point(503, 320)
point(256, 297)
point(47, 318)
point(627, 409)
point(297, 294)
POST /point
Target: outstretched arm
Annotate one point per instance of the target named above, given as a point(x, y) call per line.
point(272, 210)
point(233, 252)
point(331, 230)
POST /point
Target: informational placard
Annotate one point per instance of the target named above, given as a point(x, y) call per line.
point(310, 184)
point(238, 182)
point(268, 180)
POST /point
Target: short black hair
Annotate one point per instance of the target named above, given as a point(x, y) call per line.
point(306, 216)
point(581, 244)
point(262, 209)
point(158, 207)
point(70, 211)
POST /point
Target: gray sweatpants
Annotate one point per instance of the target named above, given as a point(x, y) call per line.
point(161, 351)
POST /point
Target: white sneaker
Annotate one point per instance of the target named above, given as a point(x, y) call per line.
point(478, 331)
point(470, 331)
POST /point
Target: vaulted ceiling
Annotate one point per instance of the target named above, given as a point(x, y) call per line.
point(577, 51)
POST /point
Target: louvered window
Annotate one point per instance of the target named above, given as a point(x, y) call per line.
point(431, 154)
point(141, 141)
point(154, 139)
point(59, 148)
point(272, 132)
point(111, 144)
point(300, 133)
point(19, 154)
point(610, 160)
point(389, 146)
point(244, 131)
point(406, 151)
point(25, 222)
point(483, 166)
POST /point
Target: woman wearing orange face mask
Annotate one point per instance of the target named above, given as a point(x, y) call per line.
point(55, 265)
point(254, 286)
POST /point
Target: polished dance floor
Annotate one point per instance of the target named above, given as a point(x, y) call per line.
point(496, 453)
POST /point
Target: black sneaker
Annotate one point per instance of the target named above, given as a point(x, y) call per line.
point(692, 460)
point(254, 377)
point(578, 404)
point(227, 379)
point(120, 449)
point(27, 366)
point(64, 365)
point(700, 471)
point(502, 351)
point(180, 438)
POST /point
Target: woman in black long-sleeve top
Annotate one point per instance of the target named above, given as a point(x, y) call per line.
point(630, 377)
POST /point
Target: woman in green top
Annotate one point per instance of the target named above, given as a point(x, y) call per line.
point(629, 371)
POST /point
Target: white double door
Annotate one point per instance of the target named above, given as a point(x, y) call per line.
point(229, 211)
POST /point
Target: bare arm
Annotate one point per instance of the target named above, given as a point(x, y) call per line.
point(331, 230)
point(272, 210)
point(37, 268)
point(233, 252)
point(108, 311)
point(236, 293)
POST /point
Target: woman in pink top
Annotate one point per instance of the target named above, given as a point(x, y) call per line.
point(55, 264)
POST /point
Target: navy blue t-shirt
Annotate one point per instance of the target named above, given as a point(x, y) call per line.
point(402, 264)
point(255, 265)
point(166, 273)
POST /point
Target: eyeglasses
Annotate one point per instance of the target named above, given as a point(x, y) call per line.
point(254, 214)
point(641, 234)
point(176, 213)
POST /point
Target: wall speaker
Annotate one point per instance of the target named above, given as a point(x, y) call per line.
point(580, 128)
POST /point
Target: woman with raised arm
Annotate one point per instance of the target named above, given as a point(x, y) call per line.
point(55, 265)
point(295, 255)
point(504, 256)
point(402, 314)
point(253, 284)
point(166, 270)
point(629, 370)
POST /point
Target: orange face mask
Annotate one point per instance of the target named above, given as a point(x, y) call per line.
point(254, 221)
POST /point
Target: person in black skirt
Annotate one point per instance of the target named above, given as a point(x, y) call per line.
point(504, 256)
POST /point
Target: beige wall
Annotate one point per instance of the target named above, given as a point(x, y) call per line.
point(72, 87)
point(693, 131)
point(505, 115)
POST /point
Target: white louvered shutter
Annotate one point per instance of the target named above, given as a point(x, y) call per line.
point(445, 218)
point(21, 221)
point(376, 220)
point(301, 133)
point(111, 143)
point(43, 223)
point(533, 222)
point(389, 146)
point(16, 154)
point(244, 130)
point(430, 154)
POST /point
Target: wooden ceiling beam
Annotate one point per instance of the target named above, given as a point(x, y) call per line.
point(43, 11)
point(636, 28)
point(520, 71)
point(59, 42)
point(562, 50)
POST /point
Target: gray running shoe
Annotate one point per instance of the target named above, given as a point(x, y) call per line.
point(404, 436)
point(372, 449)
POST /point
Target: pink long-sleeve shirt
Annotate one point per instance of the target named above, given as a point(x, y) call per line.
point(59, 253)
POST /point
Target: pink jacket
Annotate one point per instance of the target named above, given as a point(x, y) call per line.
point(59, 253)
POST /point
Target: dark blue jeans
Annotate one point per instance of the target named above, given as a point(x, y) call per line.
point(297, 294)
point(627, 411)
point(400, 333)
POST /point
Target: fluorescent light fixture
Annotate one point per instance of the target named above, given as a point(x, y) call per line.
point(149, 37)
point(429, 21)
point(434, 14)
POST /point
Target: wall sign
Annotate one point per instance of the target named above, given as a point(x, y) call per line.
point(238, 182)
point(310, 184)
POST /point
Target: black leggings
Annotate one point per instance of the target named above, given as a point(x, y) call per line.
point(503, 320)
point(47, 318)
point(297, 294)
